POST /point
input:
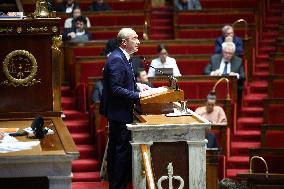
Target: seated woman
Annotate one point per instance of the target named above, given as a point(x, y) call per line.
point(163, 61)
point(70, 22)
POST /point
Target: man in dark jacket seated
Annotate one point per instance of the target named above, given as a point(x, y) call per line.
point(79, 33)
point(99, 5)
point(228, 31)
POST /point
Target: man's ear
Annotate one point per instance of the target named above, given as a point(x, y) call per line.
point(123, 42)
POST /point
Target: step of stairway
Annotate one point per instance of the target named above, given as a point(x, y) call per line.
point(252, 111)
point(267, 42)
point(161, 22)
point(234, 162)
point(262, 67)
point(242, 148)
point(87, 151)
point(160, 29)
point(85, 165)
point(246, 135)
point(66, 91)
point(270, 34)
point(273, 20)
point(161, 36)
point(266, 49)
point(232, 173)
point(82, 138)
point(262, 57)
point(68, 103)
point(261, 75)
point(161, 15)
point(78, 126)
point(254, 100)
point(258, 87)
point(74, 115)
point(86, 177)
point(248, 123)
point(90, 185)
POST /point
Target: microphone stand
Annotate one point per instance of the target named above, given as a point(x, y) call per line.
point(172, 80)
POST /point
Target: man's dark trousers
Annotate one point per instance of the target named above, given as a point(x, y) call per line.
point(119, 155)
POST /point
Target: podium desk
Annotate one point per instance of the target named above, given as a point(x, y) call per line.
point(49, 162)
point(165, 136)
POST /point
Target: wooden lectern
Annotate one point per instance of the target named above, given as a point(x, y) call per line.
point(30, 86)
point(172, 146)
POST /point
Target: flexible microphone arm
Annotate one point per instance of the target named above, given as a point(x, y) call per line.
point(173, 80)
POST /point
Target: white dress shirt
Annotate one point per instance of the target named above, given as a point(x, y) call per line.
point(125, 53)
point(170, 63)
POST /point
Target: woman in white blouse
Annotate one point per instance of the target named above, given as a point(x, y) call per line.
point(163, 61)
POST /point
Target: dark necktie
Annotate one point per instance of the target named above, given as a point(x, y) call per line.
point(225, 69)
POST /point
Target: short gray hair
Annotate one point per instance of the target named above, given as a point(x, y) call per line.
point(229, 45)
point(226, 28)
point(124, 33)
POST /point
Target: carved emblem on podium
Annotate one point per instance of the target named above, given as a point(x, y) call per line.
point(170, 178)
point(20, 68)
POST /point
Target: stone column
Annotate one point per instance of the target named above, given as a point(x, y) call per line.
point(138, 174)
point(197, 164)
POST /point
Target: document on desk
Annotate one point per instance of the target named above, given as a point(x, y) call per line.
point(11, 144)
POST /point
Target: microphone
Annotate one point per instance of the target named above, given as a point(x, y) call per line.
point(172, 80)
point(50, 6)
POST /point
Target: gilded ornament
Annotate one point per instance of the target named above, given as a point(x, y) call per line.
point(19, 29)
point(54, 29)
point(20, 68)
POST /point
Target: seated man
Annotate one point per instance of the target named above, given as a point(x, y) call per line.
point(163, 61)
point(99, 5)
point(228, 31)
point(79, 33)
point(67, 6)
point(214, 114)
point(142, 77)
point(70, 22)
point(187, 5)
point(226, 64)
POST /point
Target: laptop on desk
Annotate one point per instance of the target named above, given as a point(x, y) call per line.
point(166, 71)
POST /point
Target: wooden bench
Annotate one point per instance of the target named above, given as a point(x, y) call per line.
point(276, 63)
point(219, 130)
point(273, 111)
point(272, 136)
point(276, 86)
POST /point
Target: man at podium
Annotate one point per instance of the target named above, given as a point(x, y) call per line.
point(119, 94)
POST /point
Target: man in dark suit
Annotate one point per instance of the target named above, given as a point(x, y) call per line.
point(228, 33)
point(227, 64)
point(119, 94)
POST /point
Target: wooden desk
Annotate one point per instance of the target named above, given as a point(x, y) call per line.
point(260, 181)
point(50, 160)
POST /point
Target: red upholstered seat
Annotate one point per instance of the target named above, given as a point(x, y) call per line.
point(105, 35)
point(278, 67)
point(116, 20)
point(275, 114)
point(278, 89)
point(274, 139)
point(87, 51)
point(90, 69)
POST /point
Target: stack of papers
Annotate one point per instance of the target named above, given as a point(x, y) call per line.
point(11, 144)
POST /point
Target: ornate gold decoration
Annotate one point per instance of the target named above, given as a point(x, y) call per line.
point(19, 29)
point(37, 29)
point(20, 68)
point(56, 42)
point(6, 29)
point(41, 9)
point(54, 29)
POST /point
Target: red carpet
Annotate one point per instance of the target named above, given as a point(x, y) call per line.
point(247, 134)
point(86, 168)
